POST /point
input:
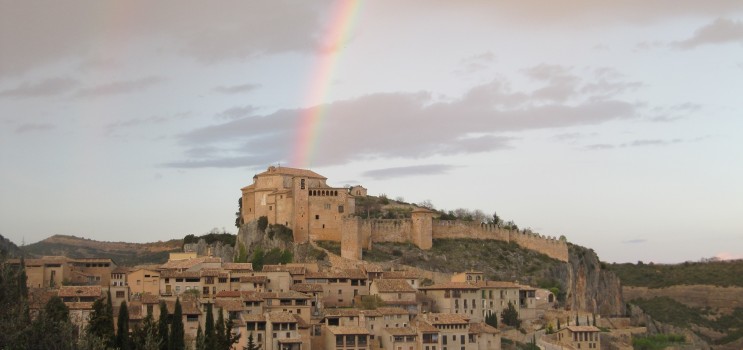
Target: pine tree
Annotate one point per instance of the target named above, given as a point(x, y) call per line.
point(162, 327)
point(510, 316)
point(122, 334)
point(177, 341)
point(251, 344)
point(52, 328)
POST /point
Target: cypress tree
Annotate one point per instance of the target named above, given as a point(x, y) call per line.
point(177, 341)
point(251, 344)
point(110, 320)
point(221, 332)
point(558, 324)
point(162, 327)
point(209, 335)
point(99, 324)
point(122, 333)
point(200, 339)
point(577, 322)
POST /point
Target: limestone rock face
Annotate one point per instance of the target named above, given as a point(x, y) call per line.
point(216, 249)
point(589, 287)
point(640, 318)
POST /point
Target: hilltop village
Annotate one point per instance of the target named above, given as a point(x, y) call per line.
point(342, 302)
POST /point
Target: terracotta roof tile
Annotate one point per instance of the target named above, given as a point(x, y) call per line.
point(583, 329)
point(229, 294)
point(280, 316)
point(478, 328)
point(290, 171)
point(253, 279)
point(79, 306)
point(406, 274)
point(393, 286)
point(80, 291)
point(450, 285)
point(253, 317)
point(391, 311)
point(237, 266)
point(436, 318)
point(229, 304)
point(307, 287)
point(424, 326)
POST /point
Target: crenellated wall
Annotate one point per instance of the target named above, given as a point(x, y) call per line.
point(422, 229)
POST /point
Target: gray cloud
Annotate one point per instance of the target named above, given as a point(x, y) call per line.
point(237, 112)
point(415, 170)
point(236, 89)
point(599, 146)
point(47, 87)
point(413, 125)
point(635, 241)
point(645, 143)
point(34, 34)
point(119, 87)
point(720, 31)
point(476, 63)
point(134, 122)
point(30, 127)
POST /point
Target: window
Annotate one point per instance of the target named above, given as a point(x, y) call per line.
point(317, 217)
point(340, 209)
point(270, 207)
point(327, 206)
point(119, 293)
point(301, 186)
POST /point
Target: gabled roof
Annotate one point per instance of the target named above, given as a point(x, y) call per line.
point(237, 266)
point(583, 329)
point(391, 311)
point(436, 318)
point(307, 287)
point(401, 331)
point(292, 270)
point(477, 328)
point(393, 286)
point(80, 291)
point(450, 285)
point(497, 284)
point(281, 316)
point(229, 304)
point(280, 170)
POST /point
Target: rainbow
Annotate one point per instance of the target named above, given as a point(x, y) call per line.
point(310, 121)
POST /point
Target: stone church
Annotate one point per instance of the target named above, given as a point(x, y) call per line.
point(301, 200)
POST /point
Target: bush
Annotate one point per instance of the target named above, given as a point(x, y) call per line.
point(262, 223)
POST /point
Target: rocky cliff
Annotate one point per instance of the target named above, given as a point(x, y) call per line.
point(251, 236)
point(216, 249)
point(587, 285)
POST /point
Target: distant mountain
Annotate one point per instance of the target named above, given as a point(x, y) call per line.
point(123, 253)
point(8, 248)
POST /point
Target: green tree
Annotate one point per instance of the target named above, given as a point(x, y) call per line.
point(210, 339)
point(122, 333)
point(200, 339)
point(177, 340)
point(238, 215)
point(220, 331)
point(492, 320)
point(262, 223)
point(251, 343)
point(257, 260)
point(162, 327)
point(100, 321)
point(145, 337)
point(52, 328)
point(510, 316)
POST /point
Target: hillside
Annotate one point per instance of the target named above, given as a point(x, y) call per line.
point(123, 253)
point(8, 248)
point(704, 297)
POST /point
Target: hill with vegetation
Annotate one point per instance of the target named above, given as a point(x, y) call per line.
point(715, 273)
point(123, 253)
point(703, 297)
point(8, 248)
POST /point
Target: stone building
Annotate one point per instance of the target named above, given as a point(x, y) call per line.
point(299, 199)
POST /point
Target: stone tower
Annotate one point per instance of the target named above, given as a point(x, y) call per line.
point(422, 234)
point(300, 187)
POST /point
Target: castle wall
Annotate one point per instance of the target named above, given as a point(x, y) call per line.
point(351, 240)
point(549, 246)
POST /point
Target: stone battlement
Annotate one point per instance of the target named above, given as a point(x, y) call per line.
point(422, 229)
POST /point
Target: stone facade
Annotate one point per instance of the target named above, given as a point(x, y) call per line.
point(301, 200)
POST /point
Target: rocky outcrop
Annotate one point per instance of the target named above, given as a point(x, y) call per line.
point(587, 286)
point(640, 318)
point(700, 296)
point(250, 237)
point(216, 249)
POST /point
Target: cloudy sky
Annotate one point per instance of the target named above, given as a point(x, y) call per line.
point(615, 124)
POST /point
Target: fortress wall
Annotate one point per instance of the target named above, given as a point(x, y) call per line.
point(462, 229)
point(388, 230)
point(551, 247)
